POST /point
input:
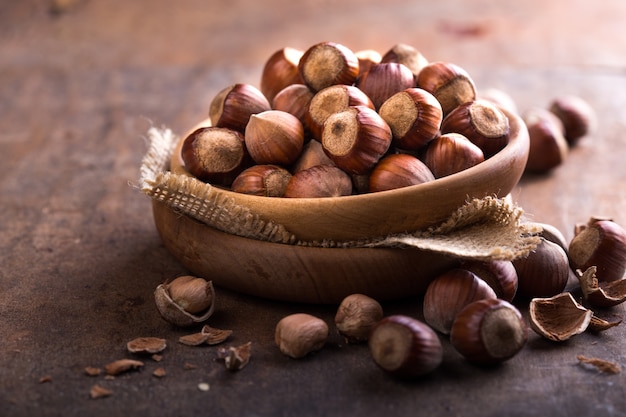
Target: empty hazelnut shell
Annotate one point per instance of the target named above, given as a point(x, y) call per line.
point(601, 294)
point(558, 318)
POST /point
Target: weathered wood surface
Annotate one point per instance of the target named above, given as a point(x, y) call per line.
point(80, 256)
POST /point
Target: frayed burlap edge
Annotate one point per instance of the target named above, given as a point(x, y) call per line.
point(486, 229)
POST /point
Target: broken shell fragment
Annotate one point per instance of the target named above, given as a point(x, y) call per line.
point(235, 357)
point(122, 365)
point(601, 294)
point(208, 335)
point(175, 313)
point(558, 318)
point(146, 345)
point(598, 324)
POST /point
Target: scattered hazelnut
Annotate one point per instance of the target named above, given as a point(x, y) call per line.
point(414, 116)
point(233, 106)
point(174, 298)
point(577, 116)
point(215, 155)
point(548, 147)
point(544, 272)
point(405, 347)
point(356, 316)
point(384, 80)
point(262, 180)
point(299, 334)
point(319, 181)
point(331, 100)
point(280, 71)
point(489, 331)
point(328, 63)
point(449, 83)
point(601, 243)
point(397, 171)
point(481, 122)
point(274, 137)
point(449, 293)
point(355, 139)
point(558, 318)
point(500, 275)
point(451, 153)
point(406, 55)
point(601, 294)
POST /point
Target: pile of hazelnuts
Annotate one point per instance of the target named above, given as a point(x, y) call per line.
point(330, 122)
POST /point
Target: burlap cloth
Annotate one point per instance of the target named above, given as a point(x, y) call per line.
point(485, 229)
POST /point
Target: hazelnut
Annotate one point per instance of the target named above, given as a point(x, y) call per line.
point(601, 294)
point(274, 137)
point(500, 275)
point(449, 83)
point(280, 71)
point(405, 347)
point(548, 147)
point(384, 80)
point(367, 58)
point(319, 181)
point(414, 116)
point(601, 243)
point(186, 300)
point(215, 155)
point(544, 272)
point(558, 318)
point(326, 64)
point(449, 293)
point(299, 334)
point(313, 154)
point(294, 99)
point(356, 316)
point(331, 100)
point(355, 139)
point(233, 106)
point(489, 331)
point(451, 153)
point(482, 123)
point(577, 116)
point(554, 235)
point(406, 55)
point(262, 180)
point(397, 171)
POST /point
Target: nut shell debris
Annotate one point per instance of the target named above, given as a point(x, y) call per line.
point(558, 318)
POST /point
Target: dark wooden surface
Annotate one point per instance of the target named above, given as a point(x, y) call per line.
point(80, 257)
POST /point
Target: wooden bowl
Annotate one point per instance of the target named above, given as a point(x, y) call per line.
point(388, 212)
point(326, 275)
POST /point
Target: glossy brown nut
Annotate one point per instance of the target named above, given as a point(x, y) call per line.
point(294, 99)
point(356, 138)
point(577, 116)
point(367, 58)
point(548, 147)
point(500, 275)
point(407, 55)
point(414, 116)
point(328, 63)
point(232, 107)
point(544, 272)
point(262, 180)
point(274, 137)
point(384, 80)
point(280, 71)
point(397, 171)
point(449, 83)
point(319, 181)
point(451, 153)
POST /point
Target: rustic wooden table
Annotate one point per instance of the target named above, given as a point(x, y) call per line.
point(81, 81)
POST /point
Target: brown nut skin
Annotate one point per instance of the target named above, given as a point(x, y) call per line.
point(407, 55)
point(414, 116)
point(451, 153)
point(355, 139)
point(299, 334)
point(397, 171)
point(331, 100)
point(577, 116)
point(384, 80)
point(356, 316)
point(319, 181)
point(262, 180)
point(500, 275)
point(548, 147)
point(232, 107)
point(312, 154)
point(449, 293)
point(602, 243)
point(449, 83)
point(482, 123)
point(294, 99)
point(328, 63)
point(280, 71)
point(215, 155)
point(367, 58)
point(176, 314)
point(274, 137)
point(544, 272)
point(489, 331)
point(405, 347)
